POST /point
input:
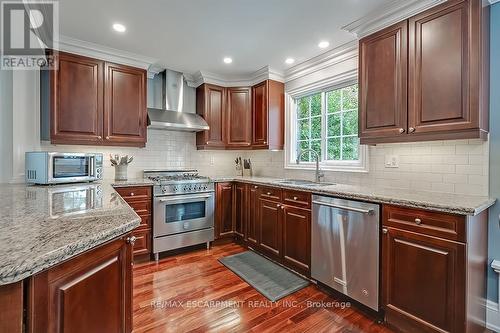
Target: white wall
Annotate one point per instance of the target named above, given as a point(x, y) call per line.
point(5, 126)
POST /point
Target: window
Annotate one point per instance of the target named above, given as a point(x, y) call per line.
point(327, 122)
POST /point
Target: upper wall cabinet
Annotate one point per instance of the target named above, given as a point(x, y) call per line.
point(427, 78)
point(268, 115)
point(92, 102)
point(242, 117)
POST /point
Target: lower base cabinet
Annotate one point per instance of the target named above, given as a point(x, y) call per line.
point(90, 293)
point(433, 270)
point(274, 222)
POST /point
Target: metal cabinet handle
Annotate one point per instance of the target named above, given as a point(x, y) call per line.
point(418, 221)
point(411, 129)
point(401, 130)
point(132, 194)
point(353, 209)
point(131, 240)
point(268, 193)
point(384, 230)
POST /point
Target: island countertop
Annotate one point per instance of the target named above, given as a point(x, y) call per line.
point(441, 202)
point(43, 226)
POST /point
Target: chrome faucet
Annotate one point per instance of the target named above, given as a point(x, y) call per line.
point(319, 174)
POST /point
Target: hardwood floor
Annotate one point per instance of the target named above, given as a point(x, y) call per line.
point(193, 292)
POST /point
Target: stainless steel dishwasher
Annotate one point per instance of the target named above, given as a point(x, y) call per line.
point(345, 247)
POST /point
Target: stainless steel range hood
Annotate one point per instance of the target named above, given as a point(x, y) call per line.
point(171, 115)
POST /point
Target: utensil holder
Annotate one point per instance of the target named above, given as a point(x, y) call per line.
point(121, 172)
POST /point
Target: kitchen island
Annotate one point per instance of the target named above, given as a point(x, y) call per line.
point(62, 248)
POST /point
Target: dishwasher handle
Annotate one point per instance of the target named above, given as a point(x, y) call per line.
point(353, 209)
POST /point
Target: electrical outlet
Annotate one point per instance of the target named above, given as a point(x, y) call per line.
point(391, 161)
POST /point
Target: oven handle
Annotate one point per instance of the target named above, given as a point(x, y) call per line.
point(186, 198)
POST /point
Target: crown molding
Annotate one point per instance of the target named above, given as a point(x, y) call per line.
point(327, 82)
point(265, 73)
point(327, 59)
point(72, 45)
point(385, 16)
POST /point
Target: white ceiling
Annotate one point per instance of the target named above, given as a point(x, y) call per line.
point(192, 35)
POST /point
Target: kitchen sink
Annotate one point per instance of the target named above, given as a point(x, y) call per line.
point(302, 182)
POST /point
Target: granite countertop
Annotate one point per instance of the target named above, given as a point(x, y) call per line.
point(45, 225)
point(441, 202)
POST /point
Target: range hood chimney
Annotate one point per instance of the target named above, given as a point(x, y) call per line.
point(170, 116)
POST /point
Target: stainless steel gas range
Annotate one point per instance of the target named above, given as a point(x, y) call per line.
point(183, 213)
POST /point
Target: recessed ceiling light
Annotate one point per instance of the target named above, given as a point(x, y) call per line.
point(119, 27)
point(290, 61)
point(323, 44)
point(228, 60)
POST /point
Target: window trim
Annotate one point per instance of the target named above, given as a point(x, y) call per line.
point(361, 165)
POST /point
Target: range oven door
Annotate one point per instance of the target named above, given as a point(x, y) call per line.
point(183, 213)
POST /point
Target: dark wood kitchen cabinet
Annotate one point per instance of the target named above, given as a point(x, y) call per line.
point(270, 228)
point(251, 229)
point(427, 78)
point(140, 199)
point(239, 118)
point(76, 100)
point(433, 270)
point(224, 214)
point(211, 105)
point(240, 208)
point(268, 115)
point(93, 102)
point(242, 117)
point(382, 83)
point(125, 113)
point(90, 293)
point(296, 224)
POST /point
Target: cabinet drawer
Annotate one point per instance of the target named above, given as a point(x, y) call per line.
point(134, 193)
point(141, 207)
point(270, 193)
point(297, 198)
point(143, 241)
point(435, 224)
point(145, 222)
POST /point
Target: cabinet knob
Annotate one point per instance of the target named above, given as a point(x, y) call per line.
point(384, 230)
point(411, 129)
point(132, 194)
point(131, 240)
point(99, 137)
point(401, 130)
point(107, 137)
point(268, 193)
point(255, 186)
point(278, 205)
point(295, 198)
point(418, 221)
point(265, 142)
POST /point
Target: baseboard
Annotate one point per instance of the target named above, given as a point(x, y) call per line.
point(492, 316)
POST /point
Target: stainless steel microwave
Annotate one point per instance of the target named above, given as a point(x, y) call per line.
point(56, 168)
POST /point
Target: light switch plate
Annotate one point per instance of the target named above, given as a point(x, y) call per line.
point(391, 161)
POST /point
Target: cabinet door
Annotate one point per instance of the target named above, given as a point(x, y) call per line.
point(76, 99)
point(383, 81)
point(270, 228)
point(252, 225)
point(224, 210)
point(297, 238)
point(439, 74)
point(259, 114)
point(240, 209)
point(211, 104)
point(424, 282)
point(90, 293)
point(125, 112)
point(239, 118)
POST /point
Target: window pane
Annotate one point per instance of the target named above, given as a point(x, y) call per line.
point(350, 123)
point(350, 97)
point(333, 98)
point(316, 145)
point(334, 124)
point(350, 148)
point(316, 128)
point(303, 107)
point(316, 105)
point(303, 129)
point(304, 145)
point(333, 148)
